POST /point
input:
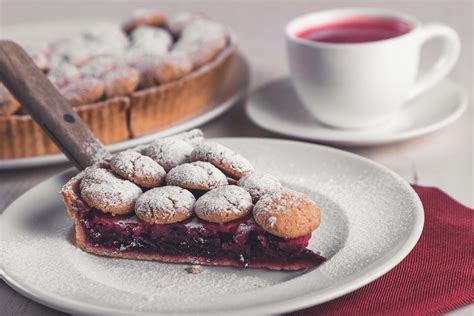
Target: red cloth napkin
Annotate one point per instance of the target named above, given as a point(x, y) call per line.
point(434, 278)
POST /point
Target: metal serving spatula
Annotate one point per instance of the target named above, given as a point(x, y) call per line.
point(48, 107)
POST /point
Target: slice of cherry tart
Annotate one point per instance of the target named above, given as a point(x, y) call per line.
point(183, 199)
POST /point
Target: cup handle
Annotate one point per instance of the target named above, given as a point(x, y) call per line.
point(445, 62)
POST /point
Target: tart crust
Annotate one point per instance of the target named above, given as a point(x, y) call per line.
point(121, 118)
point(22, 137)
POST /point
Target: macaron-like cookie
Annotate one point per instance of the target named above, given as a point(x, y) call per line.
point(120, 82)
point(229, 162)
point(169, 152)
point(223, 204)
point(197, 175)
point(139, 169)
point(258, 184)
point(102, 189)
point(85, 91)
point(63, 73)
point(287, 214)
point(165, 205)
point(169, 67)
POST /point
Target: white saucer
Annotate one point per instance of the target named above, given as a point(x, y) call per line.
point(276, 107)
point(39, 258)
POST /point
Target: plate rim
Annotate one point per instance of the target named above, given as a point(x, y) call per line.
point(214, 109)
point(373, 140)
point(64, 304)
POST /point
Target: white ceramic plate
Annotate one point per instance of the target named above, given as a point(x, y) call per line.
point(34, 34)
point(277, 108)
point(371, 219)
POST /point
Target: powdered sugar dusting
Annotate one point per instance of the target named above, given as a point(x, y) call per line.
point(103, 190)
point(163, 204)
point(200, 30)
point(138, 168)
point(169, 152)
point(63, 73)
point(95, 150)
point(197, 173)
point(151, 40)
point(194, 223)
point(193, 137)
point(98, 66)
point(179, 21)
point(223, 204)
point(271, 221)
point(218, 154)
point(258, 184)
point(96, 50)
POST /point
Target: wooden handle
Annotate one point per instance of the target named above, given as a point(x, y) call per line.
point(48, 107)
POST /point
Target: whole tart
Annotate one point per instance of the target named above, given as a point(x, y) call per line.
point(102, 72)
point(169, 223)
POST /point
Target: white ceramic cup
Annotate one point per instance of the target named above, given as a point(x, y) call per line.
point(359, 85)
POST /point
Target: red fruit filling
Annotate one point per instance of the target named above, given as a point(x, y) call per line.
point(241, 240)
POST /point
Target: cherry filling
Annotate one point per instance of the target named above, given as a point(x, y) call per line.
point(241, 240)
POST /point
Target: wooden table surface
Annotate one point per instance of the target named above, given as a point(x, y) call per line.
point(443, 159)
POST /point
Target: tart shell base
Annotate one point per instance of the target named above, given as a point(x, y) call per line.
point(185, 259)
point(21, 136)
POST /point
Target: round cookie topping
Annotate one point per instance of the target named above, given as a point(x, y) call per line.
point(258, 185)
point(197, 175)
point(287, 214)
point(165, 205)
point(83, 92)
point(121, 81)
point(223, 158)
point(169, 152)
point(223, 204)
point(8, 103)
point(137, 168)
point(103, 190)
point(151, 40)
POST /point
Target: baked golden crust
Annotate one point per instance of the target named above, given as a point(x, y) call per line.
point(8, 104)
point(22, 137)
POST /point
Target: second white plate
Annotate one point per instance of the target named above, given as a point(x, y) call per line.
point(371, 219)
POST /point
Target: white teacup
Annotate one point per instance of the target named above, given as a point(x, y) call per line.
point(358, 85)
